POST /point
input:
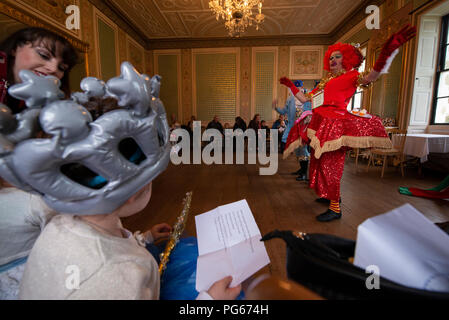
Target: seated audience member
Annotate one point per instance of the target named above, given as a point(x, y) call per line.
point(277, 123)
point(190, 123)
point(281, 129)
point(189, 127)
point(263, 125)
point(215, 124)
point(239, 124)
point(255, 122)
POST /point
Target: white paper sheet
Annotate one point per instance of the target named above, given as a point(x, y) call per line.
point(406, 247)
point(228, 244)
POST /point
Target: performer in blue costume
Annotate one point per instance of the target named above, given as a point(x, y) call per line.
point(294, 109)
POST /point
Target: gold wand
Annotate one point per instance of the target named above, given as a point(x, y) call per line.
point(178, 229)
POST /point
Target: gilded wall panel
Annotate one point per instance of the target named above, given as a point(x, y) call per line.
point(149, 67)
point(283, 67)
point(87, 32)
point(245, 84)
point(135, 55)
point(122, 46)
point(186, 93)
point(52, 12)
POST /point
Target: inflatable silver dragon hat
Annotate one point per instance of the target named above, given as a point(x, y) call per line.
point(85, 167)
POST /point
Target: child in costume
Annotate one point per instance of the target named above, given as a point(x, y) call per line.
point(332, 129)
point(94, 173)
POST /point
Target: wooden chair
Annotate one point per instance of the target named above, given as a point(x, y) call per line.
point(397, 151)
point(360, 152)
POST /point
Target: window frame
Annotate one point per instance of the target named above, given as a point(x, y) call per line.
point(359, 91)
point(440, 68)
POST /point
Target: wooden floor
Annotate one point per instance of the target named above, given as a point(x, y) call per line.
point(280, 202)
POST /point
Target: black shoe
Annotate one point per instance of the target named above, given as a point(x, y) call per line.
point(324, 200)
point(296, 172)
point(329, 215)
point(301, 177)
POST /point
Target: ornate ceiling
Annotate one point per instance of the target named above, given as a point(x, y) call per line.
point(184, 19)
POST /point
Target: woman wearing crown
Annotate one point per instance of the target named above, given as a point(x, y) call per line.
point(333, 130)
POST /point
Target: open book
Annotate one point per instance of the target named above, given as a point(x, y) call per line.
point(228, 244)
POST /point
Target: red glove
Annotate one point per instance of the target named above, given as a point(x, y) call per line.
point(287, 82)
point(394, 42)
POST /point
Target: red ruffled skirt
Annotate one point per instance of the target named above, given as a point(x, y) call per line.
point(332, 128)
point(331, 132)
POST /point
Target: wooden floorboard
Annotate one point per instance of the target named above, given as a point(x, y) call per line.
point(280, 202)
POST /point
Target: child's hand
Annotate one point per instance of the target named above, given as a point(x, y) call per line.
point(161, 230)
point(220, 290)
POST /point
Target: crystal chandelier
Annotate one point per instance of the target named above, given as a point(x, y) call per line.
point(238, 14)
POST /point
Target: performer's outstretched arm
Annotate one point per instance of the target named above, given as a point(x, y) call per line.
point(296, 92)
point(389, 51)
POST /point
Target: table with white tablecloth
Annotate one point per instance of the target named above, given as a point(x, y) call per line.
point(421, 144)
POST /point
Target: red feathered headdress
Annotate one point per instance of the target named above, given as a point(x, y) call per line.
point(352, 57)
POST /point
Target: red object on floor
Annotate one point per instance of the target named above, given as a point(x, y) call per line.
point(443, 194)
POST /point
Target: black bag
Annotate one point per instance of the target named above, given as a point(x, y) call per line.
point(320, 263)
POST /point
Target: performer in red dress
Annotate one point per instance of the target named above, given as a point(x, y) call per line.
point(333, 130)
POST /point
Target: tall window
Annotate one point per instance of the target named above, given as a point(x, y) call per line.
point(356, 101)
point(440, 109)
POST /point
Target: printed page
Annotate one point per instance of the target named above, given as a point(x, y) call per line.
point(225, 226)
point(228, 244)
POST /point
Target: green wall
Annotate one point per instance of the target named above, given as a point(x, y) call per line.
point(107, 51)
point(168, 70)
